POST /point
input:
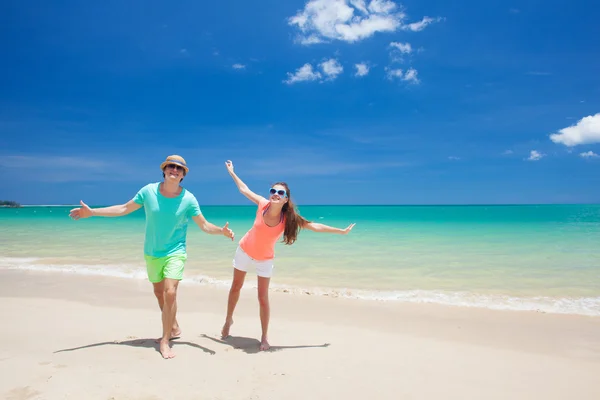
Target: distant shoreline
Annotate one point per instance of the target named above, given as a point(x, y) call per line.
point(346, 205)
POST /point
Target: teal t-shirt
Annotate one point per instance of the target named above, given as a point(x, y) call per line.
point(166, 220)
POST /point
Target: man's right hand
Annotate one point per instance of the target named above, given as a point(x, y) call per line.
point(82, 212)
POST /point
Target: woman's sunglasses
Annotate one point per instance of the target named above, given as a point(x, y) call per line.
point(280, 192)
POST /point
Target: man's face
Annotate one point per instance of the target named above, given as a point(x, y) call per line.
point(174, 172)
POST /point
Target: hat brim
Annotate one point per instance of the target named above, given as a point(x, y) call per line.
point(165, 163)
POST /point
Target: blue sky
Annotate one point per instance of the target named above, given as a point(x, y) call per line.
point(350, 102)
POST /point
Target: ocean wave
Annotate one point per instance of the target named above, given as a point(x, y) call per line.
point(588, 306)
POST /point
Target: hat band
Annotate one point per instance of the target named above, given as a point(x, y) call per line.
point(176, 162)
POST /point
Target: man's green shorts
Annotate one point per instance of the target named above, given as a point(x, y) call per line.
point(170, 267)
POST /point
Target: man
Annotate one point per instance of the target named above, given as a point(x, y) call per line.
point(168, 207)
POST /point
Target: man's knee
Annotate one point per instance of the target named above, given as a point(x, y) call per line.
point(170, 294)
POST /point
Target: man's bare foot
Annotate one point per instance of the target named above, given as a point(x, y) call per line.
point(165, 349)
point(264, 345)
point(175, 334)
point(226, 327)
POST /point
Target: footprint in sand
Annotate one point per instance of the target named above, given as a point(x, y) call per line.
point(57, 366)
point(22, 393)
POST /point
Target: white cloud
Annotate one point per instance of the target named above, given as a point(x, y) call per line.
point(394, 73)
point(588, 154)
point(535, 155)
point(331, 68)
point(302, 74)
point(238, 66)
point(411, 76)
point(404, 48)
point(362, 69)
point(422, 24)
point(453, 158)
point(586, 131)
point(349, 20)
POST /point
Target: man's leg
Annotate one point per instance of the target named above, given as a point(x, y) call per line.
point(168, 315)
point(234, 296)
point(159, 292)
point(173, 273)
point(155, 267)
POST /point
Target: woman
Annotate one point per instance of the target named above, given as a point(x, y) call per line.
point(274, 217)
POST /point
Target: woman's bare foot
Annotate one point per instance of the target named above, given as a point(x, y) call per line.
point(264, 345)
point(226, 327)
point(165, 349)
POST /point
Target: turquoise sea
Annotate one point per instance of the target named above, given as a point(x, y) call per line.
point(530, 257)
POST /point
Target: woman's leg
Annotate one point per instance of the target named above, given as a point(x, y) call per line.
point(265, 310)
point(234, 296)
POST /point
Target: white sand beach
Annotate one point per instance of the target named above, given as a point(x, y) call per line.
point(82, 337)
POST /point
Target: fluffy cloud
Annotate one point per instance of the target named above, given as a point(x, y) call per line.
point(588, 154)
point(238, 66)
point(303, 74)
point(404, 48)
point(362, 69)
point(422, 24)
point(350, 20)
point(331, 68)
point(535, 155)
point(587, 130)
point(411, 75)
point(394, 73)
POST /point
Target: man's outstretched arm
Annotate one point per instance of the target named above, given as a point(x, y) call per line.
point(212, 229)
point(113, 211)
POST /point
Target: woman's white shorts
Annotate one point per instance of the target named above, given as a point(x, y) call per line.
point(243, 262)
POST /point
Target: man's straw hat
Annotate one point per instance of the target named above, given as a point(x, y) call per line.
point(174, 159)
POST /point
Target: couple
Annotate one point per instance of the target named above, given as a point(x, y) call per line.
point(168, 208)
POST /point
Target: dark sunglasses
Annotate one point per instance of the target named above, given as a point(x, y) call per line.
point(280, 192)
point(175, 166)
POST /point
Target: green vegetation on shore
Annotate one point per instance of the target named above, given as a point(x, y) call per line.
point(8, 203)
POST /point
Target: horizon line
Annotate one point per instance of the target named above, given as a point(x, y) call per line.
point(342, 205)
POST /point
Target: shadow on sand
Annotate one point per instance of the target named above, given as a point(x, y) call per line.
point(147, 343)
point(252, 346)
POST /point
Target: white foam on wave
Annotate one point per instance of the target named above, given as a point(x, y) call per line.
point(589, 306)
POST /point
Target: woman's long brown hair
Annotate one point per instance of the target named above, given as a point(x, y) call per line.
point(293, 220)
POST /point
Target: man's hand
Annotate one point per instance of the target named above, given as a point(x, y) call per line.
point(348, 229)
point(227, 232)
point(82, 212)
